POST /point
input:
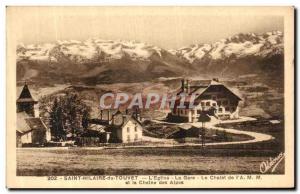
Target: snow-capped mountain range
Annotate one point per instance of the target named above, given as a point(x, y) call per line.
point(240, 45)
point(90, 50)
point(98, 60)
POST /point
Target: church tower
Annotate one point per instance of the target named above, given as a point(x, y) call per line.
point(26, 103)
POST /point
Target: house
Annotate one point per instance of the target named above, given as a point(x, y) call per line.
point(214, 99)
point(121, 127)
point(94, 135)
point(126, 128)
point(31, 130)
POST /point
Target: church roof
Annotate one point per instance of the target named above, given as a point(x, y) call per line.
point(25, 123)
point(22, 126)
point(25, 95)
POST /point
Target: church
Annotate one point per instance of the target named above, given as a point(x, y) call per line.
point(31, 130)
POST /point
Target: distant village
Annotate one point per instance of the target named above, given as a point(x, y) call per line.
point(214, 100)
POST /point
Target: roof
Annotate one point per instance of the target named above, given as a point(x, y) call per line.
point(199, 90)
point(36, 123)
point(128, 118)
point(22, 126)
point(98, 121)
point(90, 133)
point(25, 95)
point(25, 123)
point(98, 128)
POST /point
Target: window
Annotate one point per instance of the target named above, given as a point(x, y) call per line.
point(207, 103)
point(219, 102)
point(214, 104)
point(214, 98)
point(128, 137)
point(135, 128)
point(220, 109)
point(227, 108)
point(136, 137)
point(202, 103)
point(199, 112)
point(128, 129)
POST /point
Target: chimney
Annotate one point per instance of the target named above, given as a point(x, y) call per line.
point(187, 85)
point(108, 114)
point(182, 85)
point(101, 114)
point(123, 117)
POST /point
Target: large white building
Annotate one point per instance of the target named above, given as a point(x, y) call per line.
point(214, 99)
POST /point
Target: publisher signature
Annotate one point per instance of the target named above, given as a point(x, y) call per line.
point(271, 164)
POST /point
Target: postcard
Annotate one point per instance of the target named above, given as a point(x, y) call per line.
point(150, 97)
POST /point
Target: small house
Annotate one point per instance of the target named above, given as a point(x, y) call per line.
point(121, 127)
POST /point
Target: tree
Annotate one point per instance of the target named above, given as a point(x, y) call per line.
point(56, 120)
point(85, 117)
point(68, 114)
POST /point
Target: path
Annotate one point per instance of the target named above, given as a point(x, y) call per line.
point(257, 137)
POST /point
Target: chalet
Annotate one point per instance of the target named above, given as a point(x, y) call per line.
point(214, 99)
point(31, 130)
point(121, 127)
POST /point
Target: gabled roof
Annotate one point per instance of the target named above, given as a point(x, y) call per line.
point(128, 118)
point(25, 95)
point(199, 90)
point(25, 123)
point(36, 124)
point(106, 127)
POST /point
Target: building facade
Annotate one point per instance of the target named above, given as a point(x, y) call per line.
point(214, 99)
point(120, 127)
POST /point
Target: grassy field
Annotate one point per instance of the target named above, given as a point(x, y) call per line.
point(166, 161)
point(222, 159)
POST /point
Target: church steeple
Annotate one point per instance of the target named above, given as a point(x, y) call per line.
point(25, 94)
point(25, 102)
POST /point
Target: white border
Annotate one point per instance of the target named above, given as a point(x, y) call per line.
point(4, 3)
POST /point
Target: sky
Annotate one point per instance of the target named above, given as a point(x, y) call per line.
point(166, 28)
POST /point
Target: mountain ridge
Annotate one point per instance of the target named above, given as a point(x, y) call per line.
point(96, 61)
